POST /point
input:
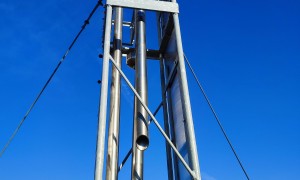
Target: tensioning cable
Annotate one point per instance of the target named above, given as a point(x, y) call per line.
point(86, 22)
point(216, 117)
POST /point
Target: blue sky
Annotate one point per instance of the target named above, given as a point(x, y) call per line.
point(245, 53)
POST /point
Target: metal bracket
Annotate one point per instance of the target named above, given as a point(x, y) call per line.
point(130, 56)
point(162, 6)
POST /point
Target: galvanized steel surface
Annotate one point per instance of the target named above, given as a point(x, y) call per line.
point(103, 98)
point(140, 138)
point(114, 123)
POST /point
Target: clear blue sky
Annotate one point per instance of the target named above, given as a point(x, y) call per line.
point(246, 54)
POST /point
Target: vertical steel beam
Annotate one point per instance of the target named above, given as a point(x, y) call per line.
point(186, 105)
point(103, 98)
point(140, 137)
point(172, 130)
point(164, 98)
point(166, 121)
point(113, 134)
point(142, 140)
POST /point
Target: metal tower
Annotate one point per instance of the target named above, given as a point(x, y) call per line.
point(178, 122)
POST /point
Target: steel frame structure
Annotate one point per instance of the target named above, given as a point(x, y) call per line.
point(137, 58)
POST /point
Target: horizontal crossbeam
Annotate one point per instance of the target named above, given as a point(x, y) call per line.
point(162, 6)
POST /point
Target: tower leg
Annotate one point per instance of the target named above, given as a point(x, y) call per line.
point(186, 105)
point(103, 98)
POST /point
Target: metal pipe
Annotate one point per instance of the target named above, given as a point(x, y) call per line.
point(140, 132)
point(134, 148)
point(113, 134)
point(103, 98)
point(142, 140)
point(130, 151)
point(155, 121)
point(186, 105)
